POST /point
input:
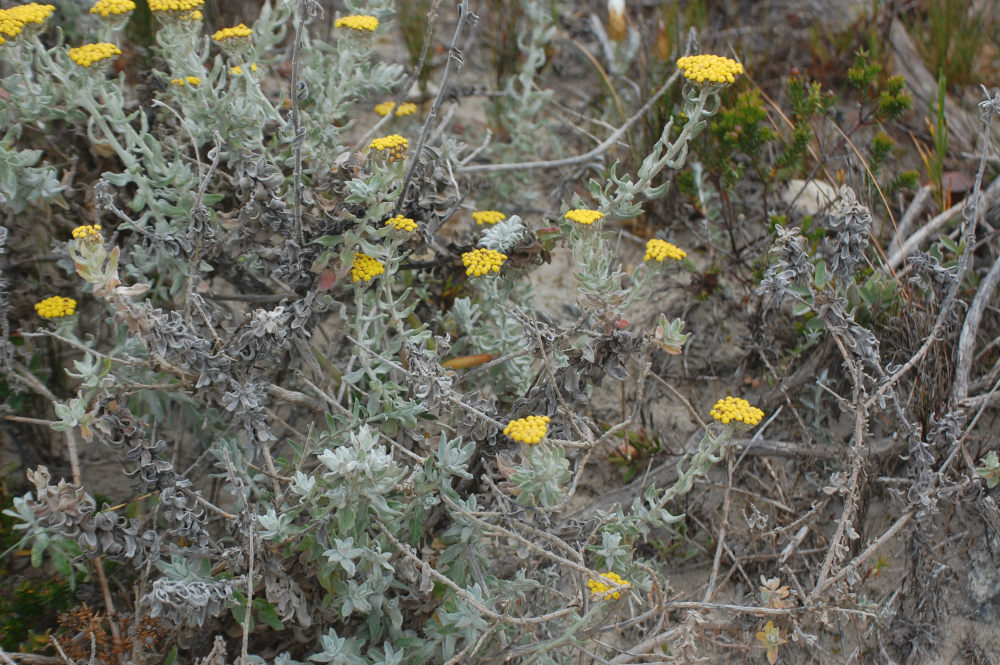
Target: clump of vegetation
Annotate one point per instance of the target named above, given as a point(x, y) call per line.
point(283, 336)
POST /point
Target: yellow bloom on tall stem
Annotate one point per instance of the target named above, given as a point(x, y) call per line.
point(179, 10)
point(604, 590)
point(530, 429)
point(18, 18)
point(736, 409)
point(401, 223)
point(406, 108)
point(481, 262)
point(55, 307)
point(360, 23)
point(365, 268)
point(87, 231)
point(90, 54)
point(115, 11)
point(709, 69)
point(392, 147)
point(488, 216)
point(657, 250)
point(584, 216)
point(235, 32)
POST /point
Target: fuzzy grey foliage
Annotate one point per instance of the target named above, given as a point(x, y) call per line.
point(472, 426)
point(606, 355)
point(860, 341)
point(168, 336)
point(926, 272)
point(285, 594)
point(189, 603)
point(246, 401)
point(426, 380)
point(850, 223)
point(64, 507)
point(118, 538)
point(791, 267)
point(259, 184)
point(948, 429)
point(182, 512)
point(4, 305)
point(121, 431)
point(104, 199)
point(609, 354)
point(118, 429)
point(69, 511)
point(266, 332)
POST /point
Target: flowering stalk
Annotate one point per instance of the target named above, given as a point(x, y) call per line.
point(701, 101)
point(732, 413)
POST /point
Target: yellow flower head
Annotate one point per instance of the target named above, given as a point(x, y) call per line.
point(176, 10)
point(236, 32)
point(657, 250)
point(393, 147)
point(584, 216)
point(406, 108)
point(106, 8)
point(365, 268)
point(738, 409)
point(87, 231)
point(236, 70)
point(17, 18)
point(709, 69)
point(603, 589)
point(488, 216)
point(401, 223)
point(54, 307)
point(480, 262)
point(174, 5)
point(88, 54)
point(530, 429)
point(357, 22)
point(189, 80)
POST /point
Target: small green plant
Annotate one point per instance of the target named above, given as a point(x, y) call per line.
point(990, 469)
point(957, 39)
point(934, 157)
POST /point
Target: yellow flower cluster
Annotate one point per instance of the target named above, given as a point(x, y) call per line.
point(488, 216)
point(237, 70)
point(394, 145)
point(87, 231)
point(707, 69)
point(54, 307)
point(657, 250)
point(605, 590)
point(175, 5)
point(357, 22)
point(13, 20)
point(480, 262)
point(401, 223)
point(237, 32)
point(190, 80)
point(88, 54)
point(108, 8)
point(365, 268)
point(584, 216)
point(530, 429)
point(406, 108)
point(738, 409)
